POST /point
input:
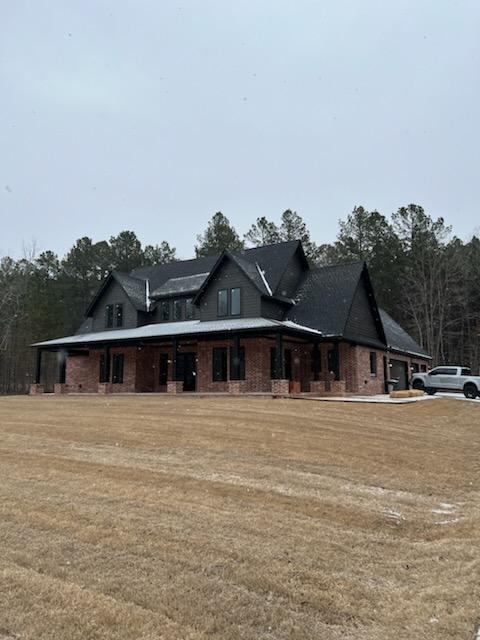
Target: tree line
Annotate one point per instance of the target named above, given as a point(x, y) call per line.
point(423, 275)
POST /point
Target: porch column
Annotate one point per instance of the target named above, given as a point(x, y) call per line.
point(235, 364)
point(175, 385)
point(105, 386)
point(234, 384)
point(60, 386)
point(107, 364)
point(38, 367)
point(37, 387)
point(280, 386)
point(175, 360)
point(316, 361)
point(61, 367)
point(279, 369)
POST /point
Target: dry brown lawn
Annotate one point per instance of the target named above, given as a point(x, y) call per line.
point(151, 517)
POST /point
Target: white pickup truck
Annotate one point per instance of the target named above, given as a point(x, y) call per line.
point(448, 378)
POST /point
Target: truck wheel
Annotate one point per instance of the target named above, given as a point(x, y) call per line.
point(431, 391)
point(470, 390)
point(418, 384)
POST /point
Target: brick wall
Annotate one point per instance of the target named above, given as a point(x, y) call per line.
point(81, 374)
point(141, 367)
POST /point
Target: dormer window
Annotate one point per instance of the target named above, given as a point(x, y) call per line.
point(222, 303)
point(119, 315)
point(229, 302)
point(177, 309)
point(235, 302)
point(165, 310)
point(109, 316)
point(189, 310)
point(114, 315)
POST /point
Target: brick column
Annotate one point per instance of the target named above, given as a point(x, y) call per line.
point(318, 386)
point(104, 388)
point(36, 389)
point(174, 386)
point(234, 387)
point(338, 388)
point(280, 387)
point(59, 388)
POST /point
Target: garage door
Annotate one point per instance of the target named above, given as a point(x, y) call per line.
point(399, 371)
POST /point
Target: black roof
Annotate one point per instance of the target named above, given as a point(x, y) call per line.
point(272, 259)
point(323, 300)
point(135, 288)
point(180, 286)
point(325, 296)
point(398, 339)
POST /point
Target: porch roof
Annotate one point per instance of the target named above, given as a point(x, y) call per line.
point(186, 328)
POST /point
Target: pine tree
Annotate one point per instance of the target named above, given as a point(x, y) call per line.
point(218, 236)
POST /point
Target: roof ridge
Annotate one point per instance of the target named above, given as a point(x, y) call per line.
point(318, 267)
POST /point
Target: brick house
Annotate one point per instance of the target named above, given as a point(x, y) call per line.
point(259, 320)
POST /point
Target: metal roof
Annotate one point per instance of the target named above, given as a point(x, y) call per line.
point(167, 329)
point(180, 286)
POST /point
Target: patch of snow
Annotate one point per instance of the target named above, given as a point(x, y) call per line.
point(394, 515)
point(453, 521)
point(262, 275)
point(147, 294)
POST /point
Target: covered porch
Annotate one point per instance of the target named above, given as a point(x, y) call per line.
point(247, 356)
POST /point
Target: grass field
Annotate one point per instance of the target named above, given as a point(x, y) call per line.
point(151, 517)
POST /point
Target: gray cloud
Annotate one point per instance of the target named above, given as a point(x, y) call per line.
point(152, 116)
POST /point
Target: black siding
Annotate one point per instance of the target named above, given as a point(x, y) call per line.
point(113, 294)
point(229, 276)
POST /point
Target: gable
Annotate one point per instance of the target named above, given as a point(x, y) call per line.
point(229, 275)
point(324, 298)
point(112, 293)
point(291, 277)
point(362, 323)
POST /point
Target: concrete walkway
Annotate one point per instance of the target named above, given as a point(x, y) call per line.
point(385, 399)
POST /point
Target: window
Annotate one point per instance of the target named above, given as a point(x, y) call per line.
point(235, 302)
point(103, 373)
point(222, 302)
point(423, 367)
point(415, 367)
point(219, 372)
point(466, 372)
point(119, 315)
point(189, 310)
point(178, 309)
point(109, 316)
point(165, 310)
point(163, 377)
point(241, 364)
point(117, 377)
point(373, 363)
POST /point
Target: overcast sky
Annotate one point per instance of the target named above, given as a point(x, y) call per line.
point(152, 115)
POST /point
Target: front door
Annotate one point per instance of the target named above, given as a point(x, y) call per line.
point(187, 370)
